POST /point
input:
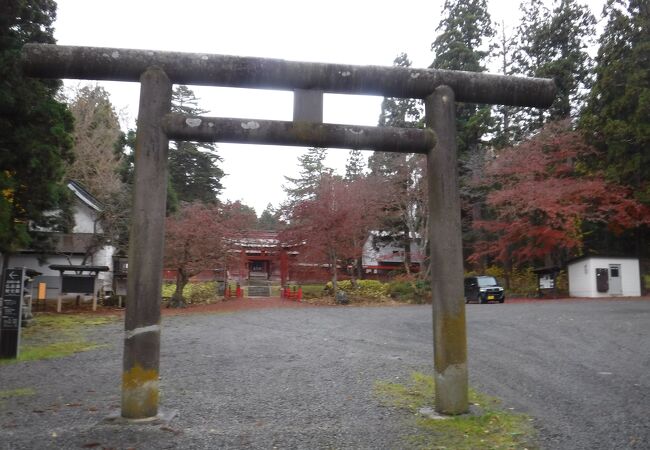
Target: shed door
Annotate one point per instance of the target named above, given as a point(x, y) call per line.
point(615, 285)
point(602, 280)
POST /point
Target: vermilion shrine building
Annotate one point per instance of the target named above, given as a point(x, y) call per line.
point(260, 256)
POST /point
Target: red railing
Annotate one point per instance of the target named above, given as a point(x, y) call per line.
point(291, 293)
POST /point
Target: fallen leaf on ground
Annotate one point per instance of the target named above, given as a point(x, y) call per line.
point(171, 430)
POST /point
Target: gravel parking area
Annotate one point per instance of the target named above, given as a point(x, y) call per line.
point(303, 378)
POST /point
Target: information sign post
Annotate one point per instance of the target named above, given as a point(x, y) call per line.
point(11, 312)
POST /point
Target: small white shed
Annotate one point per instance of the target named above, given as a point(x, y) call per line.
point(601, 276)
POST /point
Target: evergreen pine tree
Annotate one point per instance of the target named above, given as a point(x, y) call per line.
point(312, 171)
point(269, 219)
point(193, 167)
point(617, 117)
point(552, 44)
point(462, 45)
point(354, 166)
point(505, 131)
point(35, 139)
point(400, 113)
point(402, 174)
point(466, 31)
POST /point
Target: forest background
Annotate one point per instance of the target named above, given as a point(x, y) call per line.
point(538, 187)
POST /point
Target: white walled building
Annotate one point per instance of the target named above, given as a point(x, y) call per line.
point(600, 276)
point(71, 248)
point(381, 256)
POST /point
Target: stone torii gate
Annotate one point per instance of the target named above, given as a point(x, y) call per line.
point(156, 71)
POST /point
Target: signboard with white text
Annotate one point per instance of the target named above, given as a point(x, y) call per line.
point(10, 312)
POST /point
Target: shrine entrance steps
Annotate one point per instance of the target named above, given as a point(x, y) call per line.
point(259, 288)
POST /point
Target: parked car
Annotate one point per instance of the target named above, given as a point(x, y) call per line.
point(483, 289)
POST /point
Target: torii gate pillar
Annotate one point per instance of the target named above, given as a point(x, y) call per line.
point(446, 248)
point(146, 245)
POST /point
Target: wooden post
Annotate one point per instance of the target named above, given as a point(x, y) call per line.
point(42, 295)
point(59, 300)
point(243, 266)
point(142, 321)
point(307, 106)
point(95, 291)
point(284, 267)
point(450, 339)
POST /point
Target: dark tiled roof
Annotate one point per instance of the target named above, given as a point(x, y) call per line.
point(76, 243)
point(73, 243)
point(83, 195)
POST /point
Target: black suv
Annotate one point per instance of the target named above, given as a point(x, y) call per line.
point(483, 289)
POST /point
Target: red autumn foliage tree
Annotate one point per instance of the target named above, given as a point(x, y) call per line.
point(334, 224)
point(541, 196)
point(196, 239)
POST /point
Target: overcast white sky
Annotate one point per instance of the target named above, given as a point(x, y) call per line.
point(336, 31)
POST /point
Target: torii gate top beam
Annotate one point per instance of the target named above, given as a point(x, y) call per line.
point(92, 63)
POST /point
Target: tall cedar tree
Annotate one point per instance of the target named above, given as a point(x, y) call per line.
point(542, 198)
point(505, 134)
point(269, 219)
point(354, 170)
point(35, 139)
point(193, 167)
point(402, 175)
point(312, 171)
point(125, 148)
point(465, 32)
point(617, 118)
point(461, 44)
point(196, 239)
point(553, 44)
point(354, 166)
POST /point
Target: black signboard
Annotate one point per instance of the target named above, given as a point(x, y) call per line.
point(12, 301)
point(78, 284)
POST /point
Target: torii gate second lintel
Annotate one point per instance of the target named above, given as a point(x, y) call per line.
point(156, 71)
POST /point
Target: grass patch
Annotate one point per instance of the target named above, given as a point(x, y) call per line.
point(22, 392)
point(493, 428)
point(313, 291)
point(12, 393)
point(57, 336)
point(55, 350)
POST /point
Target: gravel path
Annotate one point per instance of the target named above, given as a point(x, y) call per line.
point(581, 368)
point(303, 378)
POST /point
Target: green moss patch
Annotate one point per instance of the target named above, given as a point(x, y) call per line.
point(489, 428)
point(22, 392)
point(58, 335)
point(12, 393)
